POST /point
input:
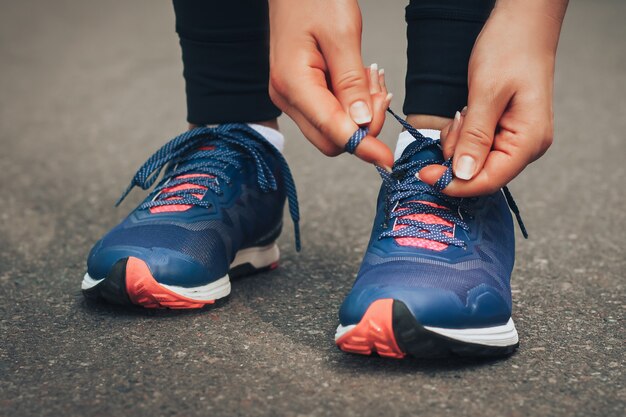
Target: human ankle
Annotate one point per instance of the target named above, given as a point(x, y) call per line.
point(427, 121)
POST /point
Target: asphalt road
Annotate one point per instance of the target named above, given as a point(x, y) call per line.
point(91, 88)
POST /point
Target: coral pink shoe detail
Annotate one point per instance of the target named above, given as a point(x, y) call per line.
point(425, 218)
point(374, 333)
point(143, 289)
point(180, 207)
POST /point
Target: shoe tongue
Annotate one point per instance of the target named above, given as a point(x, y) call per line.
point(406, 138)
point(433, 152)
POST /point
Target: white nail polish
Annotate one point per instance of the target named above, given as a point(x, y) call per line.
point(374, 67)
point(381, 71)
point(465, 167)
point(360, 112)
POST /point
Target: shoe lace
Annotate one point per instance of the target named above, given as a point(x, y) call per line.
point(197, 160)
point(403, 190)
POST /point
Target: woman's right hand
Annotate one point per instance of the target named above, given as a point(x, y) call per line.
point(317, 76)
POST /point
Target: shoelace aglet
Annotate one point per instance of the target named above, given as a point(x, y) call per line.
point(296, 232)
point(124, 194)
point(511, 202)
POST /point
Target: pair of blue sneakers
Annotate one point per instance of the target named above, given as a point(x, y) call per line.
point(434, 280)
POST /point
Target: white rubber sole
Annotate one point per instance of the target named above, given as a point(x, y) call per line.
point(259, 257)
point(505, 335)
point(497, 336)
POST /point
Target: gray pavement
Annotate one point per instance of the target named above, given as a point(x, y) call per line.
point(90, 88)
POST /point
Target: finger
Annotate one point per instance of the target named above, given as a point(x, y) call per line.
point(376, 152)
point(328, 127)
point(349, 81)
point(380, 104)
point(450, 136)
point(321, 142)
point(499, 169)
point(381, 80)
point(484, 110)
point(374, 80)
point(431, 173)
point(444, 131)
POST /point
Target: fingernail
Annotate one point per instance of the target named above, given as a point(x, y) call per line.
point(381, 71)
point(464, 111)
point(374, 67)
point(389, 97)
point(360, 112)
point(455, 122)
point(465, 167)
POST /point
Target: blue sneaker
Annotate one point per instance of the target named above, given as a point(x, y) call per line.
point(216, 213)
point(435, 279)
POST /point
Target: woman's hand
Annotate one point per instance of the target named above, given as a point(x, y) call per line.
point(317, 76)
point(508, 122)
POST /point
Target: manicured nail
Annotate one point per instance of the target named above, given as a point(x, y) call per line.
point(388, 98)
point(464, 111)
point(456, 122)
point(360, 112)
point(381, 78)
point(374, 79)
point(465, 167)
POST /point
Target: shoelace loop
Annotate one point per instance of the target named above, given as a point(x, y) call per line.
point(355, 139)
point(183, 155)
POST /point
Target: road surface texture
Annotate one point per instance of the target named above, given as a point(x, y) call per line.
point(91, 88)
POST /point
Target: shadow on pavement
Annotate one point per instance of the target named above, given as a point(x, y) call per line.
point(351, 363)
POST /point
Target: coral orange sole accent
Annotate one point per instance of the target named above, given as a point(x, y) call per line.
point(143, 289)
point(374, 333)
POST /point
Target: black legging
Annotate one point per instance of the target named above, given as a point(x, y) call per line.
point(225, 48)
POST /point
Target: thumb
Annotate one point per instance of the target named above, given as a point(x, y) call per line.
point(484, 110)
point(348, 78)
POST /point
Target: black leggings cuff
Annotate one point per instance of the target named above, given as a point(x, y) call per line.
point(230, 108)
point(441, 35)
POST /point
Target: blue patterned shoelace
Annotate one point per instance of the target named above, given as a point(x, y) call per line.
point(230, 144)
point(403, 188)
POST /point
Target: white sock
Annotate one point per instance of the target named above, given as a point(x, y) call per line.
point(405, 139)
point(273, 136)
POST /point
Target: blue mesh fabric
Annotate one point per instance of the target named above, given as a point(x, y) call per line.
point(202, 246)
point(459, 279)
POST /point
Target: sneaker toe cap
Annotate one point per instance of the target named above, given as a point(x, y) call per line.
point(166, 266)
point(483, 307)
